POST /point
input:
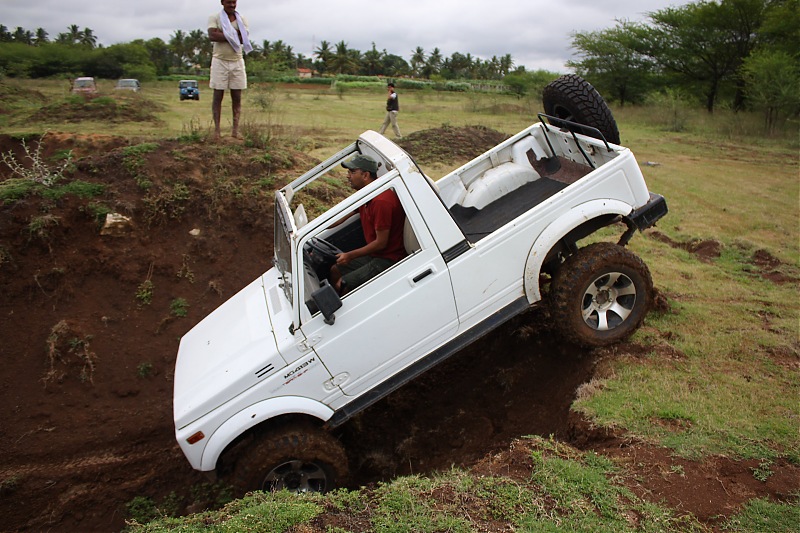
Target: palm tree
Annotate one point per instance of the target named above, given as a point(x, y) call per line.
point(87, 38)
point(74, 33)
point(324, 56)
point(198, 47)
point(281, 55)
point(71, 36)
point(23, 36)
point(41, 36)
point(289, 57)
point(372, 61)
point(506, 64)
point(342, 59)
point(417, 61)
point(303, 61)
point(178, 46)
point(5, 35)
point(433, 64)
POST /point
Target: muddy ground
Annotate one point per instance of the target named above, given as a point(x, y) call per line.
point(89, 331)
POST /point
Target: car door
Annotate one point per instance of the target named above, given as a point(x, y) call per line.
point(393, 319)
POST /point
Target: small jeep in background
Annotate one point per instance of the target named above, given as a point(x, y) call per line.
point(189, 90)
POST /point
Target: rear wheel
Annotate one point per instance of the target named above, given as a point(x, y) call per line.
point(572, 98)
point(600, 295)
point(298, 457)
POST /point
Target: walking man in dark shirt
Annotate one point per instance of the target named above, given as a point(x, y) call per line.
point(392, 107)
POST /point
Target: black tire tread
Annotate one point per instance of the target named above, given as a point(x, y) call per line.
point(298, 440)
point(584, 103)
point(572, 278)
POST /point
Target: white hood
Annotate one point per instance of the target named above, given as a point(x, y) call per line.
point(228, 352)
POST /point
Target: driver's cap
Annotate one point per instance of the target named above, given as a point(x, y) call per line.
point(362, 162)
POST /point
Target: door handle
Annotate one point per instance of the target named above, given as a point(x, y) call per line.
point(423, 275)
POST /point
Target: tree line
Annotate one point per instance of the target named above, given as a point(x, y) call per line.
point(188, 51)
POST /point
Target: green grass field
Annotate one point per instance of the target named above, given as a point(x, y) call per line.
point(721, 376)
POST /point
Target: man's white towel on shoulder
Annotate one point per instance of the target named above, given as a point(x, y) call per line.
point(232, 36)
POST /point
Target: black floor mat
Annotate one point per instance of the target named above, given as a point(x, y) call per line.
point(478, 223)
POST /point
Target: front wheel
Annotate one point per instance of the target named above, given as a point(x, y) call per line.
point(601, 294)
point(298, 458)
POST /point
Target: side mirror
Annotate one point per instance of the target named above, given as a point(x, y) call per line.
point(327, 301)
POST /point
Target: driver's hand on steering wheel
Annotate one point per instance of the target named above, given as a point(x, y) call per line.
point(343, 258)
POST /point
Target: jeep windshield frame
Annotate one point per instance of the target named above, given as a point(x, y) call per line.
point(286, 225)
point(284, 230)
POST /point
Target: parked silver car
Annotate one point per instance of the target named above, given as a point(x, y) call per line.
point(128, 85)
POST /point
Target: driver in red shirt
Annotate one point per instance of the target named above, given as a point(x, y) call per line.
point(382, 221)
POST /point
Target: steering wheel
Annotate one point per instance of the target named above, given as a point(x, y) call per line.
point(320, 255)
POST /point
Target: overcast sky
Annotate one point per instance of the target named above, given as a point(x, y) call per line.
point(537, 33)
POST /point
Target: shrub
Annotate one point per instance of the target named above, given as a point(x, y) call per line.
point(39, 171)
point(179, 307)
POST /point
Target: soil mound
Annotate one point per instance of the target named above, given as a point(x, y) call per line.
point(450, 144)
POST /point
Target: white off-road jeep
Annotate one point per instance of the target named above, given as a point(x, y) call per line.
point(261, 381)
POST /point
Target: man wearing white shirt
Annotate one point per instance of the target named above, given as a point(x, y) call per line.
point(229, 32)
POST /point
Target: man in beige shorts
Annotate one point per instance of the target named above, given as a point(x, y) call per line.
point(229, 32)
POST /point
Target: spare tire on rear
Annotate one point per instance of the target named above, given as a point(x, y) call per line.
point(572, 98)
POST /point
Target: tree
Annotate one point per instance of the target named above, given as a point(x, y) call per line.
point(160, 54)
point(781, 27)
point(372, 61)
point(609, 58)
point(417, 61)
point(324, 56)
point(198, 48)
point(772, 83)
point(22, 36)
point(343, 59)
point(458, 65)
point(5, 35)
point(41, 37)
point(179, 46)
point(434, 63)
point(704, 42)
point(525, 83)
point(87, 38)
point(394, 65)
point(506, 64)
point(71, 36)
point(131, 60)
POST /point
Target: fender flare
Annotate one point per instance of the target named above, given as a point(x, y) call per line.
point(556, 230)
point(254, 415)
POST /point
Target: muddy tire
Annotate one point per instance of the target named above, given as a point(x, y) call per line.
point(572, 98)
point(600, 295)
point(297, 457)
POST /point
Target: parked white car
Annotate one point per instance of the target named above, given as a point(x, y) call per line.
point(128, 84)
point(262, 379)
